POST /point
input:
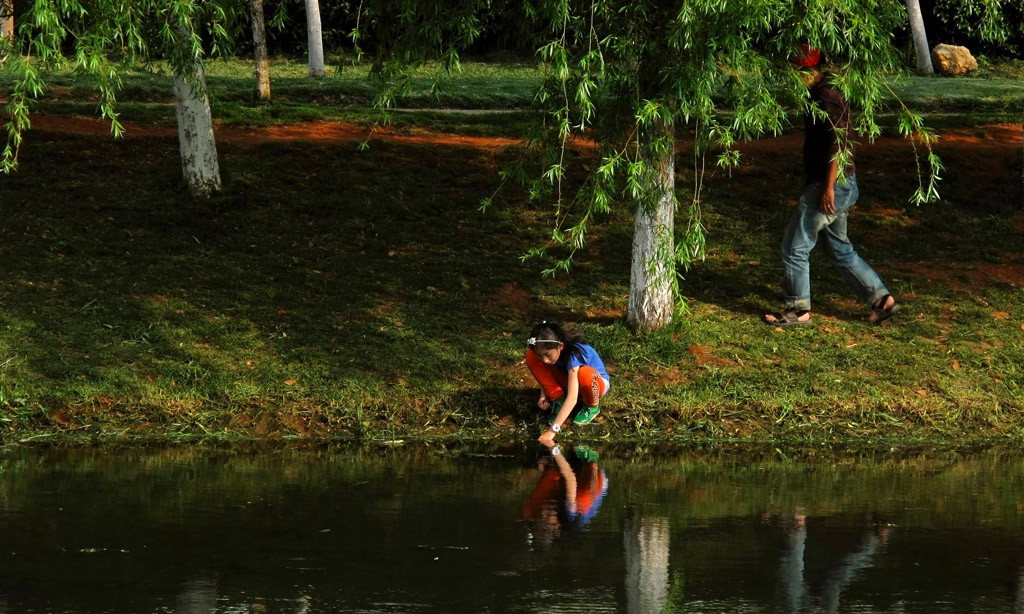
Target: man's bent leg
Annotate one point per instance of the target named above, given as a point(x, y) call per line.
point(855, 271)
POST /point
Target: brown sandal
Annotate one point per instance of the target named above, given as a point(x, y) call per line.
point(880, 313)
point(788, 317)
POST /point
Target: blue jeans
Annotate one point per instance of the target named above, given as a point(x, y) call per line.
point(806, 225)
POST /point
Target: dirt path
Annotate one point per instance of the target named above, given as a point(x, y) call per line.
point(317, 131)
point(996, 141)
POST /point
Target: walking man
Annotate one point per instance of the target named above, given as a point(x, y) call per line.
point(823, 209)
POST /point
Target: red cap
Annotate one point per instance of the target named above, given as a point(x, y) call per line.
point(809, 59)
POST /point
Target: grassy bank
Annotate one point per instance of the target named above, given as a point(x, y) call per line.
point(334, 293)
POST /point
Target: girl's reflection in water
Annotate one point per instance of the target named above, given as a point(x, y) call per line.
point(568, 495)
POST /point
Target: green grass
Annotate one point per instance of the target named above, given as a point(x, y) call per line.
point(345, 94)
point(992, 94)
point(490, 98)
point(962, 95)
point(331, 292)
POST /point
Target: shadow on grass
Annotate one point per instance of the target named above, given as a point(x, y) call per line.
point(319, 272)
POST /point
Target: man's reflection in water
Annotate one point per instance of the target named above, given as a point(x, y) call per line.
point(837, 576)
point(568, 495)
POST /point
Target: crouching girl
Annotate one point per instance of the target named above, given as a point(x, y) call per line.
point(569, 372)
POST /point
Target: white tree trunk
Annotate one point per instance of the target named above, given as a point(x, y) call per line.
point(195, 134)
point(315, 39)
point(651, 299)
point(259, 40)
point(924, 55)
point(6, 18)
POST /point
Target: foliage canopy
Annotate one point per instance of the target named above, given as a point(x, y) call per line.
point(999, 22)
point(617, 68)
point(103, 39)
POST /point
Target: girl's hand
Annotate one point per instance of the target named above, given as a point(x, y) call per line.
point(543, 402)
point(547, 438)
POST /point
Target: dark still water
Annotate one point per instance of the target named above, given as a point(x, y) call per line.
point(421, 528)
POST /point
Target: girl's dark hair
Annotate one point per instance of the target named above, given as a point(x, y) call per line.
point(553, 331)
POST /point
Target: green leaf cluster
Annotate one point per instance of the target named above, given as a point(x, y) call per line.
point(998, 21)
point(103, 39)
point(629, 75)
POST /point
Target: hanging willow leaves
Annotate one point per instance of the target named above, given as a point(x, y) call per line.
point(104, 40)
point(628, 75)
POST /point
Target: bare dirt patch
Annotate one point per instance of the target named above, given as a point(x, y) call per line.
point(704, 357)
point(516, 302)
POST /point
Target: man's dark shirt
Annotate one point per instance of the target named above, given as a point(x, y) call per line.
point(820, 144)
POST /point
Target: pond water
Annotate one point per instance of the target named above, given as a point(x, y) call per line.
point(447, 528)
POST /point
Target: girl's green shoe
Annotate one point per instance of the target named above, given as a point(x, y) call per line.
point(585, 415)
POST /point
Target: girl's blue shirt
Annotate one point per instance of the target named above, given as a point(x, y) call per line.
point(590, 358)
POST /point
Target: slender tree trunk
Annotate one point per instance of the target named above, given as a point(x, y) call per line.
point(259, 40)
point(195, 133)
point(651, 300)
point(6, 18)
point(924, 56)
point(315, 39)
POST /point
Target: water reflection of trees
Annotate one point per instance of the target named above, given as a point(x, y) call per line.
point(646, 541)
point(199, 596)
point(1018, 605)
point(212, 507)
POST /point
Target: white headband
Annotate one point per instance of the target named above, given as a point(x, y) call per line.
point(535, 341)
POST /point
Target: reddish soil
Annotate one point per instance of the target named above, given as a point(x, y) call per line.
point(320, 131)
point(989, 145)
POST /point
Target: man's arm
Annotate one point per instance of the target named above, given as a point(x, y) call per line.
point(838, 111)
point(828, 195)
